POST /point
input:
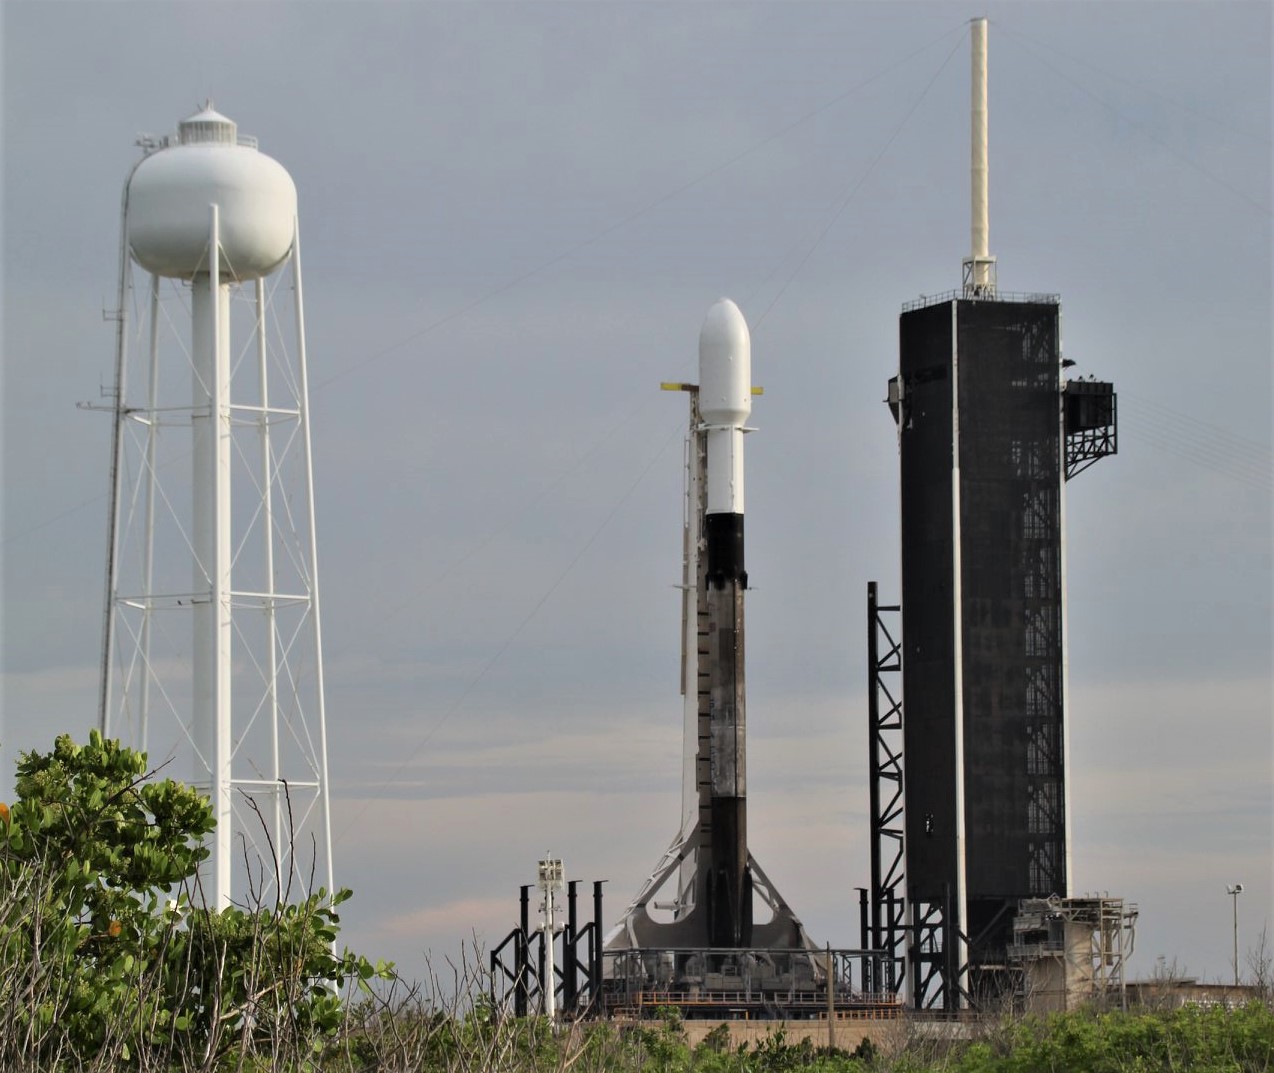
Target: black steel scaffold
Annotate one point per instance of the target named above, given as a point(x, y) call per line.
point(519, 963)
point(885, 782)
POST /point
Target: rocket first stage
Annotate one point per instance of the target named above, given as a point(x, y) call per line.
point(725, 402)
point(712, 876)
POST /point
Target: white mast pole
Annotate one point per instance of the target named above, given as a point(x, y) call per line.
point(315, 619)
point(550, 970)
point(981, 229)
point(550, 881)
point(979, 276)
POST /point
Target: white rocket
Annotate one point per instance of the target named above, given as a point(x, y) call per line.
point(725, 403)
point(712, 876)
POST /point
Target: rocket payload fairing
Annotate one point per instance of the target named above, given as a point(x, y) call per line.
point(714, 875)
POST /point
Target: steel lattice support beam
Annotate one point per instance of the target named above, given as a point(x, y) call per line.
point(884, 752)
point(938, 968)
point(1092, 423)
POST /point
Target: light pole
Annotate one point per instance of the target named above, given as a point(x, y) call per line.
point(551, 882)
point(1234, 893)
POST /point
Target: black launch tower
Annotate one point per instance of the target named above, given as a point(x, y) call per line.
point(969, 788)
point(988, 432)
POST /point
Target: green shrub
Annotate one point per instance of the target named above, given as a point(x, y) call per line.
point(106, 959)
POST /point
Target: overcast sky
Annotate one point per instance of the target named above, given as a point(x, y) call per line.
point(514, 218)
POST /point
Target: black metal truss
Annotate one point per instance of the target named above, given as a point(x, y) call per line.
point(518, 965)
point(512, 981)
point(1042, 711)
point(1092, 423)
point(938, 971)
point(884, 751)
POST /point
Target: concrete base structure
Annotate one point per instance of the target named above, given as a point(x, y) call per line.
point(845, 1033)
point(1070, 952)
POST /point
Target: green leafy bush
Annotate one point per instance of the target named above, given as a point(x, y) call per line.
point(106, 958)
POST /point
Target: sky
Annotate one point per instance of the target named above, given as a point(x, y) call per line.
point(514, 218)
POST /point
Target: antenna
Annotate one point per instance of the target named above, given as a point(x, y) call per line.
point(979, 266)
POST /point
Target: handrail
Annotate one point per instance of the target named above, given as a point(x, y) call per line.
point(726, 998)
point(1034, 297)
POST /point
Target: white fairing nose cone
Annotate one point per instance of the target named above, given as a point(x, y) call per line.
point(725, 402)
point(725, 366)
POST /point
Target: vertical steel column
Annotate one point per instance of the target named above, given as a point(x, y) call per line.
point(270, 595)
point(867, 973)
point(951, 967)
point(896, 961)
point(522, 967)
point(117, 455)
point(885, 786)
point(873, 758)
point(595, 947)
point(316, 628)
point(212, 633)
point(570, 959)
point(543, 970)
point(148, 569)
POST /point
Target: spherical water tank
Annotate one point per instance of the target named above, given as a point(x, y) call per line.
point(171, 193)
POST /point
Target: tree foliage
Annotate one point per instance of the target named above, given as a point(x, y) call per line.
point(1204, 1039)
point(108, 956)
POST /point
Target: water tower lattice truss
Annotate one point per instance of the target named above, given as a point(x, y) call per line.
point(211, 654)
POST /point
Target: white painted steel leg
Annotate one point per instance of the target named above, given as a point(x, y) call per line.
point(210, 353)
point(270, 592)
point(113, 536)
point(325, 816)
point(148, 567)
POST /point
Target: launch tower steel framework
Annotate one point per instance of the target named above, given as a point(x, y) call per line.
point(989, 430)
point(885, 783)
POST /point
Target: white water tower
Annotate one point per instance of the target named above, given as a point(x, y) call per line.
point(212, 649)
